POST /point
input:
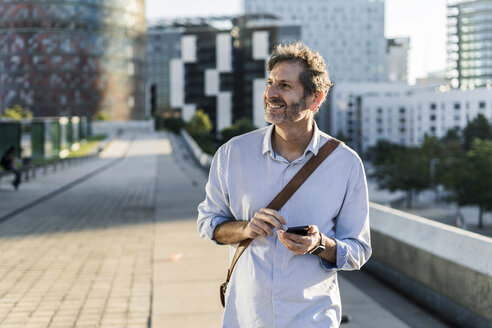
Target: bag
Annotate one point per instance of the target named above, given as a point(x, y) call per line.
point(281, 199)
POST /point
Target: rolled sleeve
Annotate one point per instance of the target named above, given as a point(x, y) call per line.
point(352, 234)
point(214, 210)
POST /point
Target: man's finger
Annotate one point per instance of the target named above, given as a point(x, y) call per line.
point(271, 220)
point(274, 213)
point(262, 225)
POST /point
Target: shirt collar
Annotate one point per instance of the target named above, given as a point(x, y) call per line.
point(313, 146)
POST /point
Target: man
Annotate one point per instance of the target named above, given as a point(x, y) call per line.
point(8, 163)
point(277, 282)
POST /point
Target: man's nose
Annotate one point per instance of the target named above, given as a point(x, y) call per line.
point(271, 91)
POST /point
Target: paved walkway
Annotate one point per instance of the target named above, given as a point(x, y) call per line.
point(113, 243)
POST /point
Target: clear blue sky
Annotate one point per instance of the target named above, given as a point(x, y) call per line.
point(424, 21)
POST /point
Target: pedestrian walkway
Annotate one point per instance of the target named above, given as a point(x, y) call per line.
point(113, 243)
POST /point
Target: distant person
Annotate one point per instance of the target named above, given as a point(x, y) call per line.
point(285, 279)
point(8, 163)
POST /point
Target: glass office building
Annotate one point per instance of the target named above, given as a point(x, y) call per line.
point(73, 57)
point(469, 45)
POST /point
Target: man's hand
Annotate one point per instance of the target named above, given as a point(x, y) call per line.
point(298, 244)
point(263, 223)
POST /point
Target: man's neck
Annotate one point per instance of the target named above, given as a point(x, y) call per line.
point(291, 139)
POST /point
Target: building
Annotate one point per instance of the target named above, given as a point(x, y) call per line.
point(163, 44)
point(364, 113)
point(348, 34)
point(436, 112)
point(469, 45)
point(73, 58)
point(397, 59)
point(217, 64)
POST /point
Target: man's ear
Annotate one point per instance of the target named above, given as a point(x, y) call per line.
point(316, 100)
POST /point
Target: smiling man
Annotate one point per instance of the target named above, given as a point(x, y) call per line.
point(285, 279)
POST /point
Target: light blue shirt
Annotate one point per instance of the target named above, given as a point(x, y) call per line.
point(271, 286)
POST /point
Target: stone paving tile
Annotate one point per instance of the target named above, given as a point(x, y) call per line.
point(83, 257)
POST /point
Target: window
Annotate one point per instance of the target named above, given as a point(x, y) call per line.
point(402, 110)
point(433, 117)
point(457, 106)
point(433, 106)
point(481, 104)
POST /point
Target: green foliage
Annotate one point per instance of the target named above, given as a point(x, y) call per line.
point(168, 122)
point(200, 123)
point(200, 127)
point(173, 124)
point(452, 136)
point(101, 116)
point(16, 112)
point(478, 128)
point(241, 126)
point(401, 168)
point(87, 146)
point(469, 176)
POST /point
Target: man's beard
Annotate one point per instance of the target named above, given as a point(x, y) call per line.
point(291, 113)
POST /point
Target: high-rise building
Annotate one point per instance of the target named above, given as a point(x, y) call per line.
point(469, 45)
point(348, 34)
point(217, 64)
point(73, 57)
point(397, 59)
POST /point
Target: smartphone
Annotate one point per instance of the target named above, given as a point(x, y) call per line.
point(301, 230)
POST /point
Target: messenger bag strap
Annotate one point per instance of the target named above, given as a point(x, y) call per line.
point(289, 190)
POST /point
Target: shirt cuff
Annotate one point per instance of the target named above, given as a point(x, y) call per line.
point(342, 252)
point(213, 225)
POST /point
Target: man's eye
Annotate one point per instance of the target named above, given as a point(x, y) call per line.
point(269, 82)
point(285, 85)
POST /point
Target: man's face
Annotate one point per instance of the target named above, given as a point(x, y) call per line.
point(284, 94)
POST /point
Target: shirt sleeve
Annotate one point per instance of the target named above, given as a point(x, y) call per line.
point(352, 233)
point(214, 210)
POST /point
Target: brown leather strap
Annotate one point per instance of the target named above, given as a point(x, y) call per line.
point(289, 190)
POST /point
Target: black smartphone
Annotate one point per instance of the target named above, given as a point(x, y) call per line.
point(300, 230)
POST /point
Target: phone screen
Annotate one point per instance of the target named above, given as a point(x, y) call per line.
point(301, 230)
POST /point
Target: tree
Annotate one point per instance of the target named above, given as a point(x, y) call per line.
point(452, 135)
point(471, 181)
point(200, 127)
point(241, 126)
point(477, 128)
point(199, 124)
point(17, 113)
point(401, 168)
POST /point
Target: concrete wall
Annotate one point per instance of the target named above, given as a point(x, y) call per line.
point(203, 159)
point(446, 268)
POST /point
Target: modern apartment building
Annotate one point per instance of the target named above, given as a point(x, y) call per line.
point(364, 113)
point(469, 45)
point(349, 34)
point(73, 57)
point(217, 64)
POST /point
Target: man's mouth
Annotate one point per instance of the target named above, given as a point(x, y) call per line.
point(275, 105)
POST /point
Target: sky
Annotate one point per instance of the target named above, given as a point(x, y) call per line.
point(424, 21)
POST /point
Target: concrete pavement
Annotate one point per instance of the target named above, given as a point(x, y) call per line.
point(113, 243)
